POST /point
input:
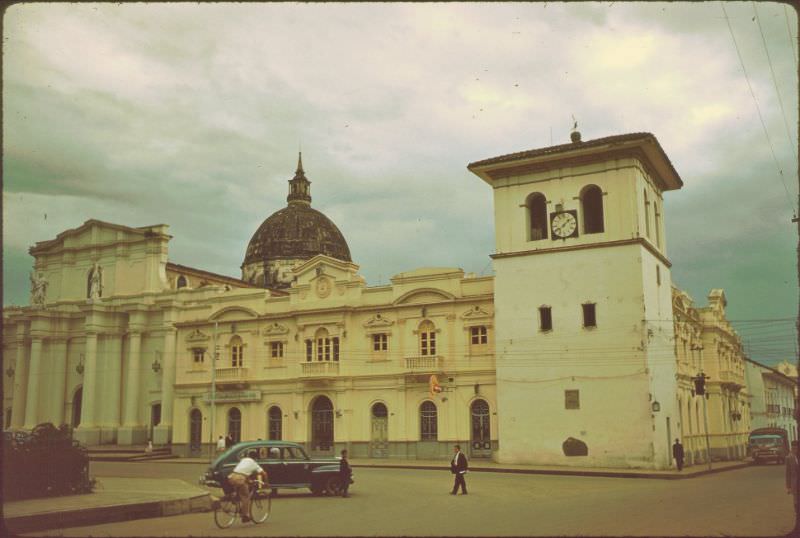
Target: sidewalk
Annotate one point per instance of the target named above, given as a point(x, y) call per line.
point(113, 499)
point(477, 465)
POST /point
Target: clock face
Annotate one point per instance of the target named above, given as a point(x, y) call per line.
point(323, 287)
point(564, 224)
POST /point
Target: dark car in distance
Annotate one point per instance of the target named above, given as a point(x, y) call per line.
point(287, 465)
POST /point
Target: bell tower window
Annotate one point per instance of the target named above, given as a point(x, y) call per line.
point(536, 207)
point(592, 209)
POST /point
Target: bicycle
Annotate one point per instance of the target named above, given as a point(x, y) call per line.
point(229, 507)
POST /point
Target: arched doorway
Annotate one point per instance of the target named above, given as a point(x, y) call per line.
point(195, 431)
point(235, 424)
point(77, 400)
point(379, 441)
point(480, 439)
point(274, 423)
point(322, 426)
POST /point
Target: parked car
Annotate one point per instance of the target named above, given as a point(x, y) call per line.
point(769, 444)
point(287, 465)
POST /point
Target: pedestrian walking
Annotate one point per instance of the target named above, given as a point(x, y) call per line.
point(459, 467)
point(221, 444)
point(792, 465)
point(677, 453)
point(345, 472)
point(228, 441)
point(149, 448)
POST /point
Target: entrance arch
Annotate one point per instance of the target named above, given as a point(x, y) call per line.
point(235, 424)
point(322, 425)
point(77, 401)
point(480, 437)
point(379, 440)
point(195, 431)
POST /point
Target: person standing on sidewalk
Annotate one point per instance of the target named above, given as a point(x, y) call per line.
point(677, 453)
point(459, 467)
point(228, 441)
point(221, 444)
point(792, 465)
point(344, 473)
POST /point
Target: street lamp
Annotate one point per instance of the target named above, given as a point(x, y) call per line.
point(700, 390)
point(156, 366)
point(10, 370)
point(79, 367)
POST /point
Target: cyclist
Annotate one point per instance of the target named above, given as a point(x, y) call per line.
point(240, 480)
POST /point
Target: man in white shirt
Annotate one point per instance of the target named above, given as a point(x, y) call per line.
point(240, 476)
point(459, 468)
point(220, 444)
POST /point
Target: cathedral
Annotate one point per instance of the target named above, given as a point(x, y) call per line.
point(573, 353)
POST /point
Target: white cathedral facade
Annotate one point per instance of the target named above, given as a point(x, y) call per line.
point(566, 356)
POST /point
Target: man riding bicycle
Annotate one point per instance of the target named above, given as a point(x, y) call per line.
point(240, 480)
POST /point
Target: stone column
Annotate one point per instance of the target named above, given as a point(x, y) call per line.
point(20, 383)
point(132, 431)
point(88, 432)
point(162, 434)
point(111, 389)
point(34, 380)
point(59, 386)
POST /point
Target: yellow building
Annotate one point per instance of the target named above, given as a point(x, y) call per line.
point(577, 352)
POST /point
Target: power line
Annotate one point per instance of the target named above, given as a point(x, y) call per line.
point(758, 109)
point(775, 82)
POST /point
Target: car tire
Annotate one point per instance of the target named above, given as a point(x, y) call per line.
point(317, 490)
point(333, 486)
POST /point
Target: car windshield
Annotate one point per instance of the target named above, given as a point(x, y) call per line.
point(767, 440)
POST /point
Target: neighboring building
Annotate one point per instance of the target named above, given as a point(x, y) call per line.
point(595, 349)
point(773, 398)
point(788, 369)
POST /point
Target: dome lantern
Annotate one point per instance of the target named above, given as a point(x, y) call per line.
point(299, 185)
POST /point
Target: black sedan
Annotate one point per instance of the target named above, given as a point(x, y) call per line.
point(287, 465)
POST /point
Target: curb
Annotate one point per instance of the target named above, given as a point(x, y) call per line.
point(106, 514)
point(567, 472)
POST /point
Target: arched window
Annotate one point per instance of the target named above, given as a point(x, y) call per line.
point(427, 339)
point(182, 283)
point(646, 215)
point(428, 422)
point(235, 424)
point(323, 345)
point(592, 209)
point(537, 216)
point(274, 426)
point(237, 352)
point(379, 410)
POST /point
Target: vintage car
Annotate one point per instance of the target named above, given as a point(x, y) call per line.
point(769, 444)
point(287, 466)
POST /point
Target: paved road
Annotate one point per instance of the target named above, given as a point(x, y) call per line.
point(750, 501)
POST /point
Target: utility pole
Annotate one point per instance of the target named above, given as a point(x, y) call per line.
point(213, 443)
point(708, 440)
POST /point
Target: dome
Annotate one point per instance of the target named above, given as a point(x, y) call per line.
point(291, 236)
point(296, 231)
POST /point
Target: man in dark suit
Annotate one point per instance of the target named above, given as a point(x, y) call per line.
point(792, 468)
point(345, 473)
point(677, 453)
point(459, 466)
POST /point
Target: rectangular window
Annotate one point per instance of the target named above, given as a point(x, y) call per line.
point(236, 355)
point(199, 354)
point(572, 399)
point(327, 344)
point(380, 342)
point(276, 350)
point(336, 348)
point(309, 351)
point(424, 343)
point(478, 335)
point(545, 319)
point(320, 348)
point(589, 318)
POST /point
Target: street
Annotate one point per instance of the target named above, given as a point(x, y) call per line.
point(750, 501)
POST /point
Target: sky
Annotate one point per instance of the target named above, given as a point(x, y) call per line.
point(193, 115)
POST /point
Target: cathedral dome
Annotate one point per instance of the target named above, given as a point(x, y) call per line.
point(291, 236)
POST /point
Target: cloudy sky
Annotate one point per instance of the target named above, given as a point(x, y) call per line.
point(192, 115)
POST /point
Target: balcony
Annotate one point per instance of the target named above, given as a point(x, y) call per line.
point(233, 373)
point(423, 363)
point(319, 369)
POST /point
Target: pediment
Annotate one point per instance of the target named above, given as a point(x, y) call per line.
point(424, 296)
point(377, 322)
point(324, 265)
point(475, 313)
point(197, 336)
point(276, 329)
point(233, 313)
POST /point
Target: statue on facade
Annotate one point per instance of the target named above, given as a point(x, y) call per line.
point(38, 288)
point(96, 282)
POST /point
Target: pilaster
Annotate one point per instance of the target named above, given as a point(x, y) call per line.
point(162, 434)
point(34, 378)
point(20, 383)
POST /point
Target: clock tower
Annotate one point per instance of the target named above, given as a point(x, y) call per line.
point(584, 342)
